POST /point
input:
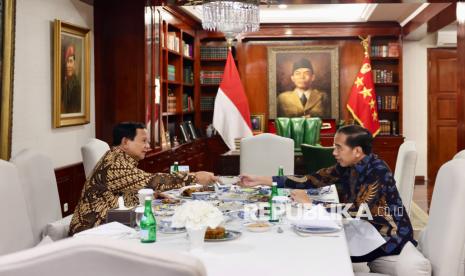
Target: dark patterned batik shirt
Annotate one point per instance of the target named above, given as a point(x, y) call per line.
point(116, 173)
point(371, 182)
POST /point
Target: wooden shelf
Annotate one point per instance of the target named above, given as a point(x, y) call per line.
point(384, 58)
point(172, 82)
point(212, 59)
point(388, 110)
point(188, 84)
point(171, 52)
point(387, 84)
point(210, 85)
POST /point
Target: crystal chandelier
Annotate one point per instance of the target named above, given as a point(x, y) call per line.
point(231, 17)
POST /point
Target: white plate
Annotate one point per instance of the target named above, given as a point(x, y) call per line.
point(253, 226)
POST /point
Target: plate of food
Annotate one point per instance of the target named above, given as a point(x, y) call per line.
point(258, 226)
point(187, 192)
point(220, 234)
point(229, 180)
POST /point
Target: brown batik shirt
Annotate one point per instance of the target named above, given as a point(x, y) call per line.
point(116, 173)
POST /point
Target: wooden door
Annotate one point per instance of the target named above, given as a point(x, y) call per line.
point(442, 108)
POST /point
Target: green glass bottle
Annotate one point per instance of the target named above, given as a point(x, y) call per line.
point(148, 224)
point(274, 192)
point(280, 173)
point(176, 167)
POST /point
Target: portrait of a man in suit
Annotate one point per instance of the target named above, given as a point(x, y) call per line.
point(303, 100)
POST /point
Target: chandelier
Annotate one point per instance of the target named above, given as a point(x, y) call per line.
point(231, 17)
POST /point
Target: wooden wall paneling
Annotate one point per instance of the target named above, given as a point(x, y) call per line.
point(461, 86)
point(253, 64)
point(119, 63)
point(70, 181)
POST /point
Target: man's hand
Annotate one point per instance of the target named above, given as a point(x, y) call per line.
point(205, 178)
point(300, 196)
point(253, 180)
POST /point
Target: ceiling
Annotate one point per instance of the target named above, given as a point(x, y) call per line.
point(316, 13)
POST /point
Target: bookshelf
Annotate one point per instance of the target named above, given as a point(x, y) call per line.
point(213, 55)
point(178, 90)
point(386, 62)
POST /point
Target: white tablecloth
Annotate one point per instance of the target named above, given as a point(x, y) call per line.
point(270, 253)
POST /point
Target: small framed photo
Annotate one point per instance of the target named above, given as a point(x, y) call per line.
point(71, 93)
point(258, 123)
point(185, 132)
point(192, 130)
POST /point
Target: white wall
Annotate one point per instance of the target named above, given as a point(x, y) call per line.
point(415, 96)
point(33, 80)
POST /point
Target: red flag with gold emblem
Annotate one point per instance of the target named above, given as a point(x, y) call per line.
point(362, 100)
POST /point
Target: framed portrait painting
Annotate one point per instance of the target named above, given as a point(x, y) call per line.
point(303, 81)
point(71, 93)
point(258, 123)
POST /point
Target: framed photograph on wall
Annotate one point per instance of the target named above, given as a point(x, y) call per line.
point(303, 81)
point(71, 93)
point(258, 123)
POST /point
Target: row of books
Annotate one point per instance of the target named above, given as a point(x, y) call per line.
point(388, 127)
point(390, 50)
point(387, 102)
point(210, 77)
point(213, 52)
point(207, 103)
point(171, 72)
point(172, 42)
point(187, 103)
point(383, 76)
point(187, 49)
point(171, 102)
point(188, 75)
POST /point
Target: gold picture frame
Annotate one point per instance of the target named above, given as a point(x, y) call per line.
point(324, 60)
point(7, 63)
point(71, 93)
point(258, 123)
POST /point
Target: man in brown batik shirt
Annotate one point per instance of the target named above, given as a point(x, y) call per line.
point(117, 173)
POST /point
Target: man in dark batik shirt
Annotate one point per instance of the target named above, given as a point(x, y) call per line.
point(365, 179)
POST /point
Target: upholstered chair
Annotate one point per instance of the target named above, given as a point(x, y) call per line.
point(37, 178)
point(91, 154)
point(404, 173)
point(16, 232)
point(442, 242)
point(86, 256)
point(301, 130)
point(264, 153)
point(460, 154)
point(317, 157)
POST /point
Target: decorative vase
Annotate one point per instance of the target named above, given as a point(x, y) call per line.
point(196, 238)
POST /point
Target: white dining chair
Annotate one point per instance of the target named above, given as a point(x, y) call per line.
point(37, 178)
point(442, 242)
point(404, 173)
point(91, 153)
point(91, 256)
point(460, 154)
point(16, 232)
point(264, 153)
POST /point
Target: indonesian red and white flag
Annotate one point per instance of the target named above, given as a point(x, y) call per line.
point(362, 100)
point(231, 116)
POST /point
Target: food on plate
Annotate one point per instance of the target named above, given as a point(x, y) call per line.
point(215, 233)
point(259, 198)
point(259, 226)
point(188, 191)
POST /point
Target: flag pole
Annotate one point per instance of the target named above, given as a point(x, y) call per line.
point(365, 43)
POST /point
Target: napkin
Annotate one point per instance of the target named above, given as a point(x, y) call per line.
point(362, 237)
point(114, 230)
point(316, 217)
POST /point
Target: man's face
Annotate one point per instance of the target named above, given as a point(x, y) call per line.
point(138, 147)
point(303, 78)
point(344, 154)
point(70, 66)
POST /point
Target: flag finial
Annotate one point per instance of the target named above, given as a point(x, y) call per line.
point(365, 43)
